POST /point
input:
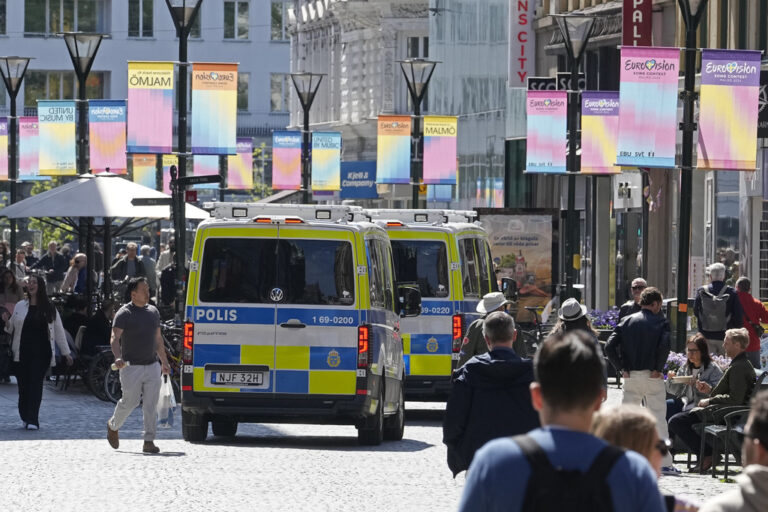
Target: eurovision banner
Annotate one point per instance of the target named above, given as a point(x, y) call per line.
point(599, 132)
point(150, 107)
point(206, 165)
point(145, 170)
point(326, 161)
point(648, 106)
point(106, 127)
point(393, 151)
point(58, 155)
point(240, 166)
point(286, 160)
point(728, 110)
point(440, 150)
point(4, 149)
point(29, 144)
point(547, 131)
point(168, 161)
point(214, 108)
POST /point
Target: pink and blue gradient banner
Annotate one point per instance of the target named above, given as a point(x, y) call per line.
point(240, 166)
point(168, 161)
point(3, 149)
point(145, 170)
point(286, 160)
point(150, 107)
point(106, 126)
point(547, 130)
point(57, 155)
point(648, 106)
point(498, 192)
point(393, 149)
point(440, 142)
point(214, 108)
point(206, 165)
point(326, 161)
point(728, 111)
point(599, 132)
point(29, 147)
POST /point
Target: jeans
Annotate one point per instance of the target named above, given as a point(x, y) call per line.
point(754, 358)
point(674, 406)
point(139, 382)
point(638, 386)
point(681, 424)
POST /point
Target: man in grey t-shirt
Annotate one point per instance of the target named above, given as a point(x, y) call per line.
point(137, 344)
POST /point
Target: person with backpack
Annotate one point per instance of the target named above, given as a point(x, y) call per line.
point(717, 308)
point(754, 313)
point(561, 466)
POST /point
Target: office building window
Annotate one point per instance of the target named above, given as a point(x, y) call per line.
point(242, 90)
point(140, 18)
point(2, 16)
point(279, 89)
point(195, 32)
point(236, 19)
point(53, 16)
point(59, 85)
point(279, 17)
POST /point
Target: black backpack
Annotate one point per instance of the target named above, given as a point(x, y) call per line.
point(551, 488)
point(168, 285)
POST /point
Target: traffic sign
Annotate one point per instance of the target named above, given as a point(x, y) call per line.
point(151, 201)
point(199, 180)
point(190, 196)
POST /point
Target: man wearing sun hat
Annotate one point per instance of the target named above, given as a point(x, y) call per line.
point(474, 343)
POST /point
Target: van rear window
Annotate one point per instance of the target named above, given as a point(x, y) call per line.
point(422, 262)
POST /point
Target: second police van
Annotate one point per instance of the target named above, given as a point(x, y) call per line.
point(293, 315)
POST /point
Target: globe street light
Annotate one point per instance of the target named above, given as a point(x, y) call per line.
point(306, 85)
point(417, 73)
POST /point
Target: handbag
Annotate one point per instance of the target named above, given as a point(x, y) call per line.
point(759, 330)
point(166, 404)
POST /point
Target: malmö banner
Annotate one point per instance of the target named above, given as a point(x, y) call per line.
point(648, 106)
point(545, 147)
point(57, 156)
point(3, 149)
point(393, 152)
point(286, 160)
point(29, 147)
point(150, 107)
point(730, 88)
point(106, 125)
point(145, 170)
point(599, 131)
point(240, 166)
point(440, 150)
point(214, 108)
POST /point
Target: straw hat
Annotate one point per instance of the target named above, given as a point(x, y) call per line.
point(491, 302)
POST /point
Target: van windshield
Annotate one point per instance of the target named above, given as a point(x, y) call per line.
point(422, 262)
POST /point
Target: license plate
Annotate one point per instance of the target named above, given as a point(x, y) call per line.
point(237, 378)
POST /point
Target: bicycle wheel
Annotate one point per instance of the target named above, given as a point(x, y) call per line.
point(97, 371)
point(112, 388)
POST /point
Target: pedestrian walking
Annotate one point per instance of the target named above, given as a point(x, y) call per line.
point(54, 265)
point(717, 308)
point(633, 306)
point(36, 327)
point(474, 342)
point(561, 466)
point(129, 265)
point(19, 266)
point(149, 268)
point(490, 397)
point(639, 347)
point(137, 345)
point(754, 313)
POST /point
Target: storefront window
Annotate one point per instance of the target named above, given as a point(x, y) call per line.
point(727, 223)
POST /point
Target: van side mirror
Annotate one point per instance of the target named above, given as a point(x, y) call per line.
point(509, 288)
point(410, 300)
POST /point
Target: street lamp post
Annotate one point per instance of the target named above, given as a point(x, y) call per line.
point(418, 73)
point(692, 11)
point(576, 30)
point(13, 69)
point(306, 85)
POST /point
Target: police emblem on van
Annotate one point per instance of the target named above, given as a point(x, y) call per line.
point(334, 359)
point(432, 345)
point(276, 295)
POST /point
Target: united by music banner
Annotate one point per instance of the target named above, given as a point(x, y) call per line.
point(214, 108)
point(648, 106)
point(150, 107)
point(440, 150)
point(393, 149)
point(286, 160)
point(599, 132)
point(145, 170)
point(326, 161)
point(240, 166)
point(58, 156)
point(547, 130)
point(106, 126)
point(206, 165)
point(168, 161)
point(29, 147)
point(3, 149)
point(728, 110)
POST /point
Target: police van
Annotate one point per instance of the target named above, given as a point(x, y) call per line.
point(446, 254)
point(293, 316)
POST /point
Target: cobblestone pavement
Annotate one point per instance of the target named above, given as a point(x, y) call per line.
point(68, 465)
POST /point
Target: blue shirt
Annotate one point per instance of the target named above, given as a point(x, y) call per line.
point(498, 477)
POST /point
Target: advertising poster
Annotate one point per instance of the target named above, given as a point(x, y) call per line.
point(547, 130)
point(728, 110)
point(168, 161)
point(205, 165)
point(393, 150)
point(29, 144)
point(214, 108)
point(286, 160)
point(150, 107)
point(240, 166)
point(648, 106)
point(106, 126)
point(326, 161)
point(58, 154)
point(3, 149)
point(358, 180)
point(599, 132)
point(145, 170)
point(440, 150)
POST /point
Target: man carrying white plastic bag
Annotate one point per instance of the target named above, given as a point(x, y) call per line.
point(166, 404)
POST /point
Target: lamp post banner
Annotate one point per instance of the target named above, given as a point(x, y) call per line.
point(150, 107)
point(240, 166)
point(214, 108)
point(168, 161)
point(547, 116)
point(358, 180)
point(393, 151)
point(326, 161)
point(58, 155)
point(3, 149)
point(440, 149)
point(286, 160)
point(205, 165)
point(145, 170)
point(728, 111)
point(599, 131)
point(106, 127)
point(648, 106)
point(29, 147)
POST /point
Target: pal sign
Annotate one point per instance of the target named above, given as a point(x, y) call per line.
point(521, 42)
point(637, 23)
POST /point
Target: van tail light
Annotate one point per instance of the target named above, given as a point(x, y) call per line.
point(189, 341)
point(363, 348)
point(458, 332)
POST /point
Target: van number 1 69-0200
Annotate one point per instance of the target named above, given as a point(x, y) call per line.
point(333, 320)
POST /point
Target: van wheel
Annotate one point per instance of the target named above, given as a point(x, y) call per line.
point(372, 431)
point(224, 428)
point(194, 427)
point(394, 426)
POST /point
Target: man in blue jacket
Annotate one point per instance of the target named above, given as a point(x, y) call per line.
point(490, 396)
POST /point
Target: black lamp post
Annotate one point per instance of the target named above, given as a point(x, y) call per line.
point(13, 69)
point(418, 73)
point(183, 13)
point(576, 30)
point(306, 85)
point(692, 11)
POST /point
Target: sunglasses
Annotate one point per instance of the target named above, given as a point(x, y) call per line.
point(664, 445)
point(638, 287)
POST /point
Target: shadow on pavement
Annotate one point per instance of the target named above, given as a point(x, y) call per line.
point(331, 443)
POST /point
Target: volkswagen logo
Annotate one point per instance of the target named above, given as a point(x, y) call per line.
point(276, 295)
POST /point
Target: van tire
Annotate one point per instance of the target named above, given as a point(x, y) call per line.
point(371, 433)
point(224, 428)
point(394, 426)
point(194, 427)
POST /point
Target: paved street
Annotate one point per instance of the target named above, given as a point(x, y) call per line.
point(68, 465)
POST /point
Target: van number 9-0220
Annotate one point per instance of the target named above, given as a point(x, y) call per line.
point(436, 310)
point(333, 320)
